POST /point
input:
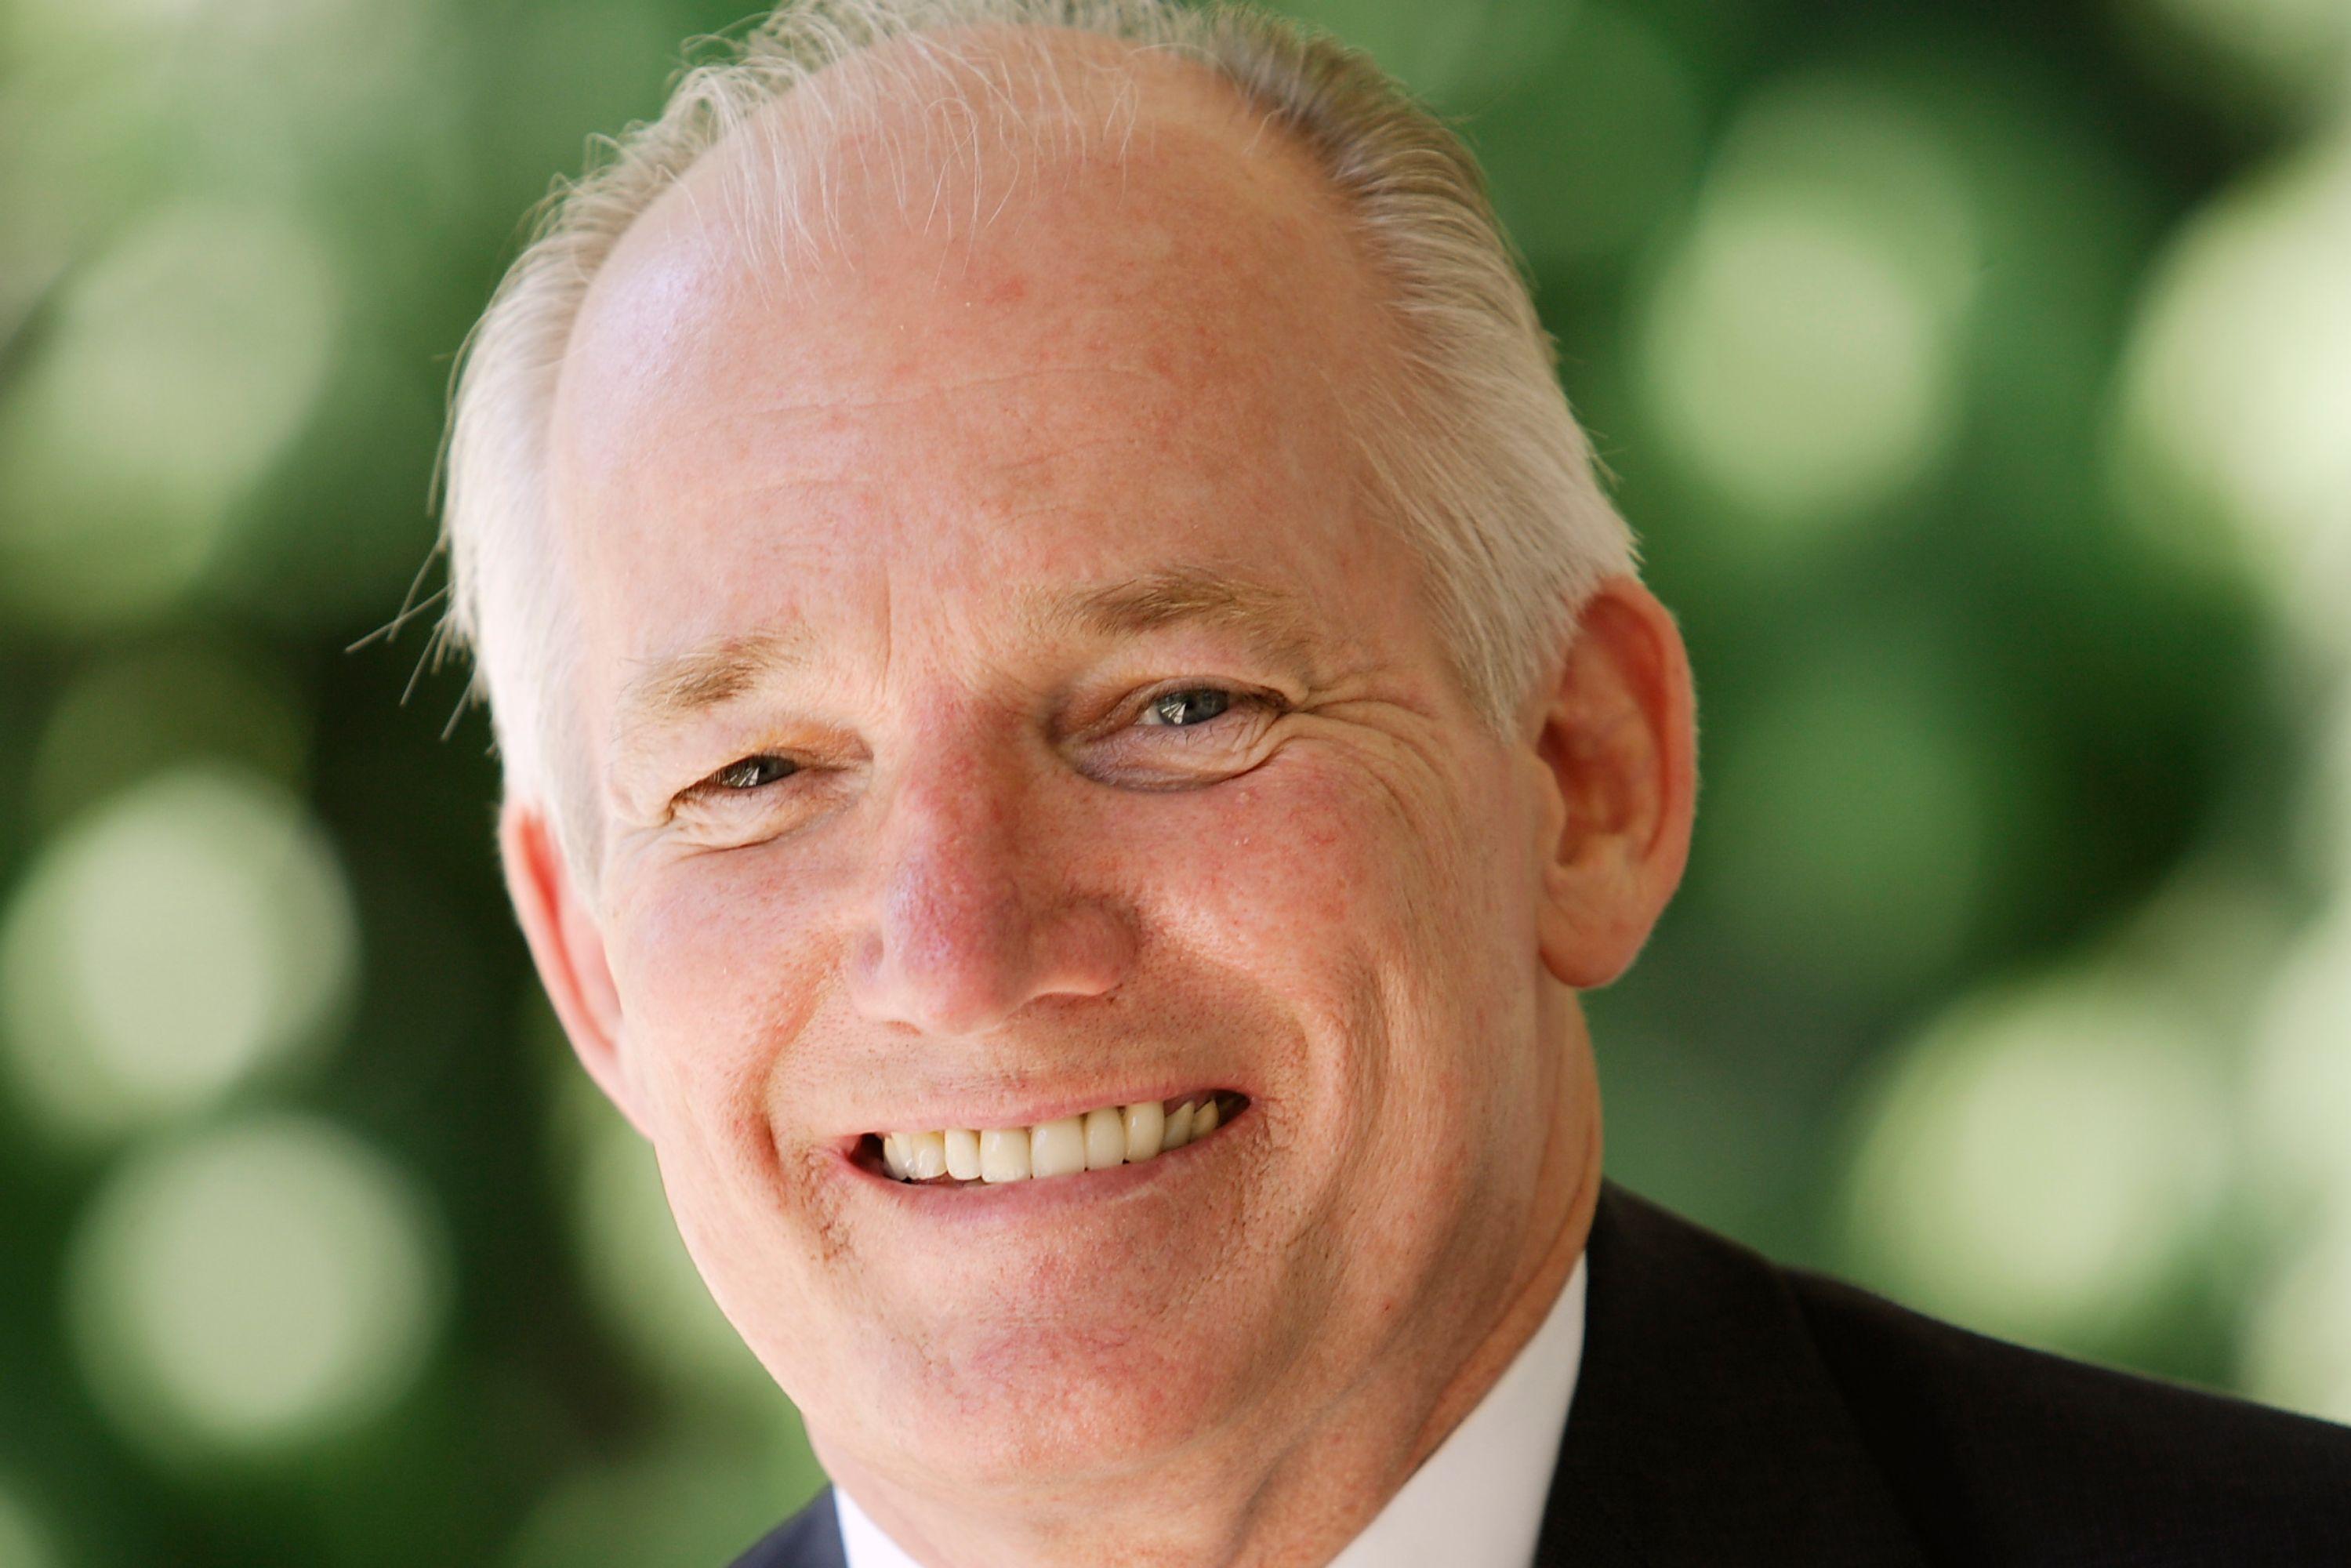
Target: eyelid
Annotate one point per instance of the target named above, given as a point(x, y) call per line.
point(1242, 695)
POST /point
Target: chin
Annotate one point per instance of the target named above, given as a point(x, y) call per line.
point(1004, 1406)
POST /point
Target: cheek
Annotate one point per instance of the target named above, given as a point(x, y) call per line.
point(1287, 853)
point(716, 977)
point(1377, 906)
point(1317, 870)
point(1390, 906)
point(1291, 876)
point(1351, 896)
point(713, 968)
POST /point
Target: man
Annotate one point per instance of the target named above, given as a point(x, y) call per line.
point(1075, 722)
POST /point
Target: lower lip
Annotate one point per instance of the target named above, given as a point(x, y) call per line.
point(987, 1201)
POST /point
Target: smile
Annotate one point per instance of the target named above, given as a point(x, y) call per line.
point(1105, 1136)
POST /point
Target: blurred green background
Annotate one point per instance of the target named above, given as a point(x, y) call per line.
point(1977, 372)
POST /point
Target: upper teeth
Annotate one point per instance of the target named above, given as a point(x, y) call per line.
point(1107, 1135)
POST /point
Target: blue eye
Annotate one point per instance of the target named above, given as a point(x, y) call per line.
point(1186, 709)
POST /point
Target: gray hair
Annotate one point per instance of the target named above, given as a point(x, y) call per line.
point(1473, 453)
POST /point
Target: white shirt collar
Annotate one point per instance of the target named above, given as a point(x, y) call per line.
point(1478, 1501)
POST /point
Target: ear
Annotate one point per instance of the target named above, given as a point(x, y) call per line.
point(1617, 739)
point(566, 947)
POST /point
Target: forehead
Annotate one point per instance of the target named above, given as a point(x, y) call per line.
point(1046, 352)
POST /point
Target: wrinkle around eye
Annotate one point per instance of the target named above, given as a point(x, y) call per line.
point(1129, 753)
point(1191, 756)
point(711, 815)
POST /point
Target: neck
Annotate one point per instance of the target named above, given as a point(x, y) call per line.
point(1330, 1479)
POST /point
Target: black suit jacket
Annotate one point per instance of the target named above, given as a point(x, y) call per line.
point(1732, 1411)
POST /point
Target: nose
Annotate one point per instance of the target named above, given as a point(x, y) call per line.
point(974, 913)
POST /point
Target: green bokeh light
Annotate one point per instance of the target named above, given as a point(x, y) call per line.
point(2323, 824)
point(26, 1539)
point(1586, 157)
point(159, 706)
point(252, 98)
point(2234, 435)
point(1800, 349)
point(175, 372)
point(252, 1288)
point(191, 934)
point(2295, 54)
point(2298, 1338)
point(2043, 1161)
point(1455, 52)
point(1853, 826)
point(2300, 1069)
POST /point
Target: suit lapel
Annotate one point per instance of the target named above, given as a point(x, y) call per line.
point(1705, 1427)
point(809, 1539)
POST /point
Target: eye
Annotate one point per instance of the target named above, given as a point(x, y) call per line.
point(1188, 707)
point(740, 802)
point(750, 773)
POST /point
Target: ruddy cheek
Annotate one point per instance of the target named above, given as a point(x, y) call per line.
point(716, 980)
point(1320, 861)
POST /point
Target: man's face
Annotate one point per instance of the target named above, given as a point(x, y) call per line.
point(899, 835)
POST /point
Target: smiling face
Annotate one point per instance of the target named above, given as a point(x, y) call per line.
point(1004, 704)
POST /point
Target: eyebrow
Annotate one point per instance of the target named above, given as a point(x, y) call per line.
point(1277, 620)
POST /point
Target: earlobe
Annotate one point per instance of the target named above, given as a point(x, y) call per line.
point(566, 947)
point(1616, 739)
